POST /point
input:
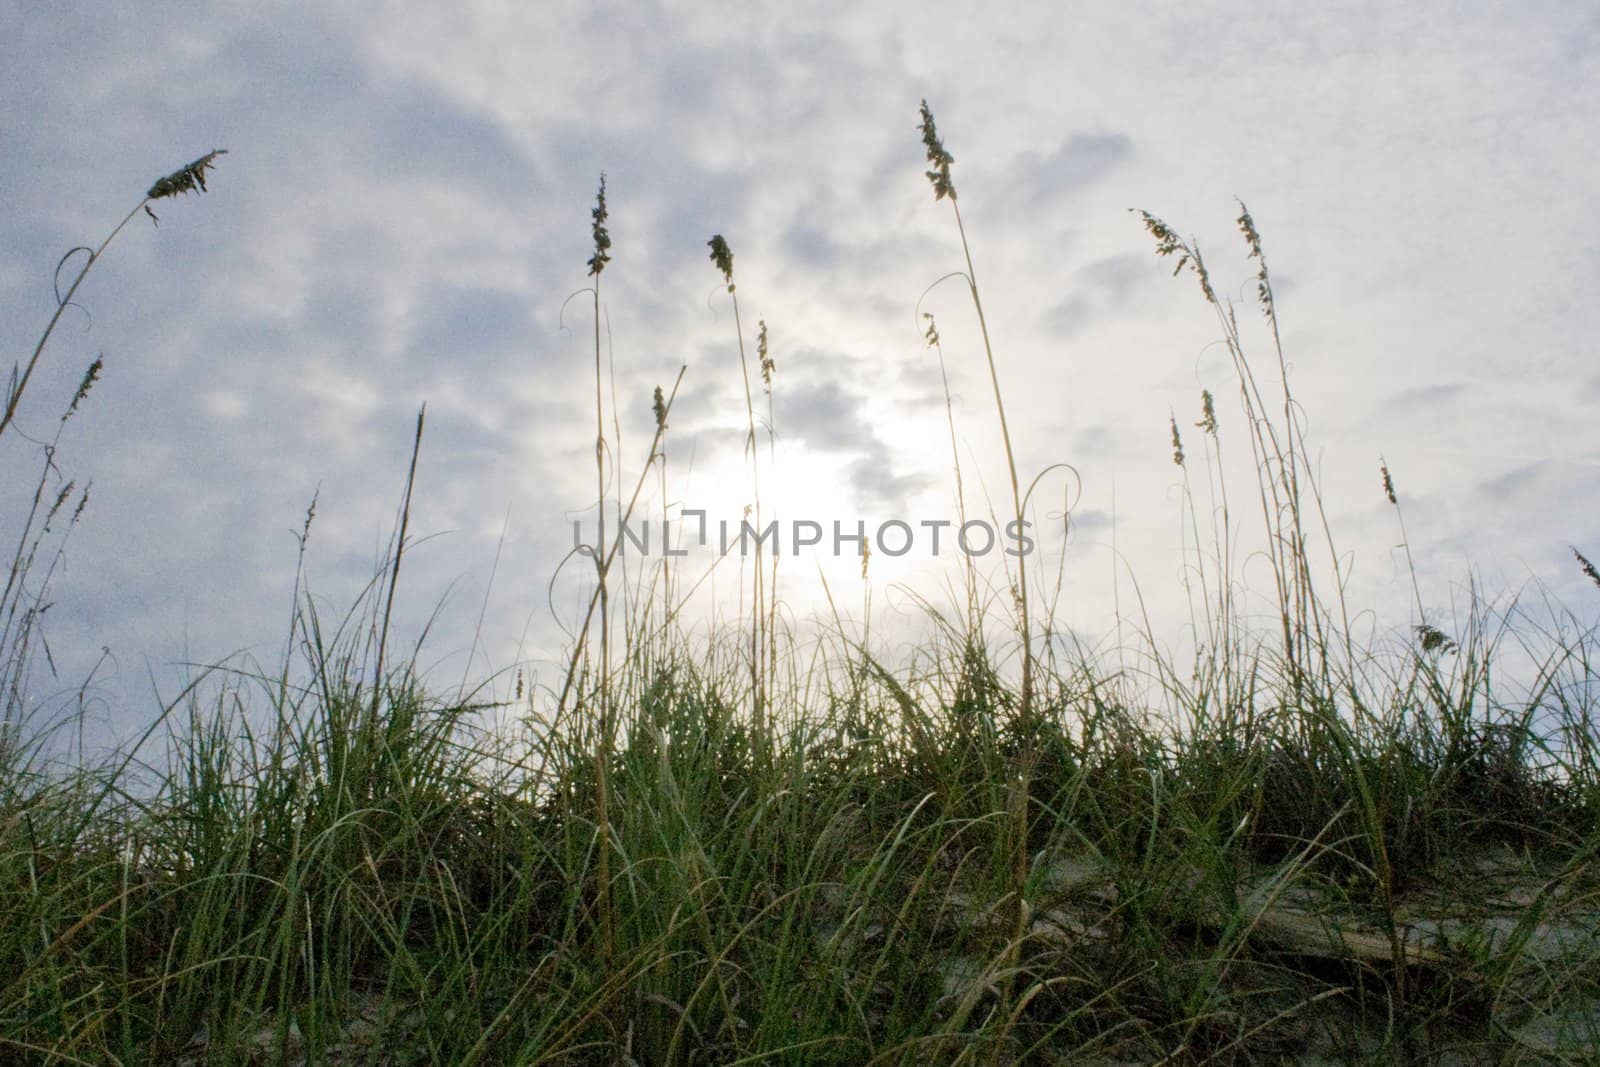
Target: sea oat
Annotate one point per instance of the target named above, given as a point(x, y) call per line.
point(767, 363)
point(941, 160)
point(1588, 568)
point(183, 180)
point(722, 256)
point(90, 376)
point(602, 239)
point(1252, 237)
point(61, 498)
point(187, 178)
point(1435, 641)
point(1208, 413)
point(1168, 242)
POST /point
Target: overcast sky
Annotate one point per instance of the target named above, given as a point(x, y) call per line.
point(404, 212)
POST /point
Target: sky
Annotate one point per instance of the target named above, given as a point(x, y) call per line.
point(403, 217)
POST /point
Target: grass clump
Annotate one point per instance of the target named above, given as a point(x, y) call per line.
point(725, 847)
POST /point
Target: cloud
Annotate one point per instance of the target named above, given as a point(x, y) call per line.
point(1442, 395)
point(1515, 486)
point(463, 327)
point(811, 245)
point(1094, 443)
point(1081, 161)
point(879, 488)
point(823, 416)
point(1070, 317)
point(1090, 522)
point(1097, 291)
point(826, 418)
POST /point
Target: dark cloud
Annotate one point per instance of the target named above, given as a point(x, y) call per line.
point(712, 392)
point(463, 326)
point(1093, 442)
point(826, 417)
point(880, 489)
point(1407, 401)
point(312, 98)
point(1082, 160)
point(1098, 290)
point(823, 416)
point(335, 308)
point(1513, 485)
point(1068, 318)
point(1115, 278)
point(811, 246)
point(1089, 522)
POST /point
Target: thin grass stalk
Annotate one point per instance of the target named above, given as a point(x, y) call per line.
point(768, 366)
point(1021, 593)
point(968, 568)
point(1297, 452)
point(21, 609)
point(659, 459)
point(1222, 638)
point(944, 186)
point(722, 257)
point(602, 757)
point(394, 573)
point(1277, 484)
point(1186, 513)
point(568, 685)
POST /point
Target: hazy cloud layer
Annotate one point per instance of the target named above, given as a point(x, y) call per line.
point(403, 216)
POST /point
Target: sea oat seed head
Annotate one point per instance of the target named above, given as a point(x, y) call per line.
point(1247, 226)
point(1177, 441)
point(1167, 240)
point(767, 363)
point(186, 178)
point(182, 180)
point(311, 515)
point(1208, 413)
point(602, 239)
point(1588, 568)
point(722, 256)
point(941, 160)
point(1388, 482)
point(1434, 640)
point(90, 376)
point(659, 406)
point(61, 498)
point(1252, 237)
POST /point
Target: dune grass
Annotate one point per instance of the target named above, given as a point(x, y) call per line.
point(748, 848)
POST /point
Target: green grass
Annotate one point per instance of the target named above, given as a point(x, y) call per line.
point(746, 849)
